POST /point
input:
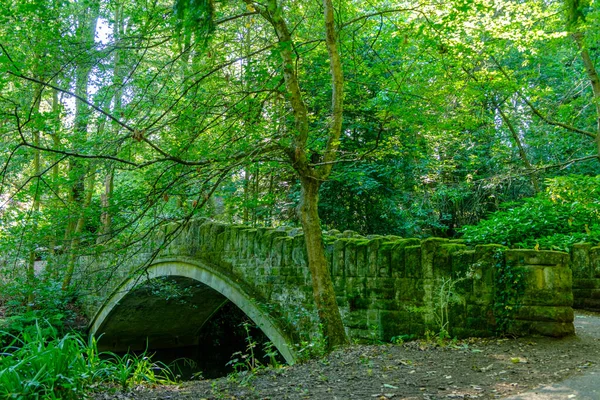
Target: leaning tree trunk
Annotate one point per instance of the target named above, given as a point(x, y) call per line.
point(576, 24)
point(311, 175)
point(323, 291)
point(592, 74)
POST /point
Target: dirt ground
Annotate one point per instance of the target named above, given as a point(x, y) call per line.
point(470, 369)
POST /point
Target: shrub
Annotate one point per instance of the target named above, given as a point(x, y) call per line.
point(40, 364)
point(567, 212)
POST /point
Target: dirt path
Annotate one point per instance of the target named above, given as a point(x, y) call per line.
point(580, 386)
point(472, 369)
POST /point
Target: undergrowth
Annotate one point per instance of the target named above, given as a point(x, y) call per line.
point(41, 364)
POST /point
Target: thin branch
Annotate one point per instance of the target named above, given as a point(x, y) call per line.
point(227, 19)
point(376, 14)
point(101, 111)
point(565, 164)
point(8, 56)
point(539, 114)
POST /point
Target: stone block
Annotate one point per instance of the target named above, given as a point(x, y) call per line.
point(477, 324)
point(595, 261)
point(442, 259)
point(383, 304)
point(586, 283)
point(478, 311)
point(350, 265)
point(356, 319)
point(362, 267)
point(553, 329)
point(591, 304)
point(396, 250)
point(339, 285)
point(483, 280)
point(412, 262)
point(299, 257)
point(580, 260)
point(534, 257)
point(544, 313)
point(276, 255)
point(287, 247)
point(582, 294)
point(358, 301)
point(383, 263)
point(372, 269)
point(404, 289)
point(534, 278)
point(394, 323)
point(429, 247)
point(558, 277)
point(397, 260)
point(547, 298)
point(457, 314)
point(337, 259)
point(462, 262)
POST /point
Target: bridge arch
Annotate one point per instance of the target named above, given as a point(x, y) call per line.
point(208, 286)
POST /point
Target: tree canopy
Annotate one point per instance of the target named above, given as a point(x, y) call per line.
point(413, 119)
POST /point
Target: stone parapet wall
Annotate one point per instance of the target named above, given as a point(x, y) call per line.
point(392, 287)
point(585, 262)
point(386, 286)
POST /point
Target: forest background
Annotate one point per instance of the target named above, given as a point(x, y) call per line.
point(476, 119)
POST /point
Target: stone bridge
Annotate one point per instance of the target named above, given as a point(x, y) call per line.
point(161, 293)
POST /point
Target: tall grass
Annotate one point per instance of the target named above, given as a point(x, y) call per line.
point(41, 365)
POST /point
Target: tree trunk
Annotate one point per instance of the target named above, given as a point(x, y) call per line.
point(55, 173)
point(80, 194)
point(323, 291)
point(105, 231)
point(76, 239)
point(246, 213)
point(312, 175)
point(35, 209)
point(522, 153)
point(592, 74)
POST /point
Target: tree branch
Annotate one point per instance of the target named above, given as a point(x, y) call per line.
point(539, 114)
point(376, 14)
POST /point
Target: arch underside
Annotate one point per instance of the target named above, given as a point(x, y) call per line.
point(171, 305)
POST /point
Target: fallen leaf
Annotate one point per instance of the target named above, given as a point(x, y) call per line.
point(485, 369)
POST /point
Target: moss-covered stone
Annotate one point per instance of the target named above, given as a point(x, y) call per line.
point(580, 260)
point(544, 313)
point(533, 257)
point(412, 262)
point(394, 323)
point(385, 286)
point(547, 298)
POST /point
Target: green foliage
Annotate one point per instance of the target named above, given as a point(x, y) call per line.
point(510, 286)
point(26, 303)
point(566, 213)
point(134, 369)
point(195, 16)
point(41, 364)
point(575, 11)
point(314, 347)
point(246, 363)
point(445, 294)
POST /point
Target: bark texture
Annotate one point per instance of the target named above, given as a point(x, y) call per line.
point(312, 175)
